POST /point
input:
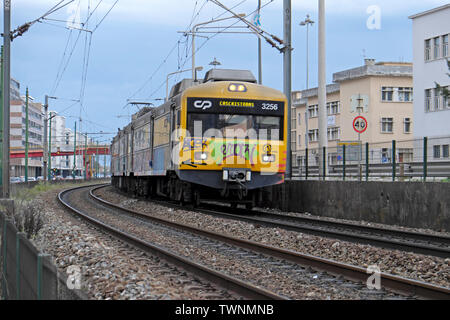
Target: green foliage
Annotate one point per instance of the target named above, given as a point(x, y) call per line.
point(444, 90)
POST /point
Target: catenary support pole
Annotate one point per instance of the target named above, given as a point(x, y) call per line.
point(50, 148)
point(287, 66)
point(1, 117)
point(45, 158)
point(259, 48)
point(74, 152)
point(6, 95)
point(26, 134)
point(322, 94)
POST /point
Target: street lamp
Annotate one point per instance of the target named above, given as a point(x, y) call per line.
point(215, 63)
point(307, 22)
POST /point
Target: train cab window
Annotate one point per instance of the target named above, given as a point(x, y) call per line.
point(198, 123)
point(269, 127)
point(237, 125)
point(234, 124)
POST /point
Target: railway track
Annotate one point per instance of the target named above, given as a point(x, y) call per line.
point(227, 282)
point(416, 242)
point(422, 243)
point(403, 286)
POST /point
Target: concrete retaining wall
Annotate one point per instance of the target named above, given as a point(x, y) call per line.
point(409, 204)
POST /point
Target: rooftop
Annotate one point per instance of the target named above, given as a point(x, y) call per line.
point(418, 15)
point(392, 69)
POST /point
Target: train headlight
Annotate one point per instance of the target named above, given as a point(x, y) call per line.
point(198, 156)
point(225, 174)
point(249, 176)
point(235, 87)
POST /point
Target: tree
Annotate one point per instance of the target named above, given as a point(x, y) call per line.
point(445, 90)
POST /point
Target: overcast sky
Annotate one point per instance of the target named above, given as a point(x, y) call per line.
point(134, 40)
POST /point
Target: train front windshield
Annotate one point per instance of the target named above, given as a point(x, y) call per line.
point(236, 126)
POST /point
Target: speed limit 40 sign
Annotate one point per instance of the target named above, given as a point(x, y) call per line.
point(360, 124)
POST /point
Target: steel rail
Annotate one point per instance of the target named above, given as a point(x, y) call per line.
point(394, 283)
point(240, 287)
point(295, 223)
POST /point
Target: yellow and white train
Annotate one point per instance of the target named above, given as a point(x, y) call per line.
point(223, 137)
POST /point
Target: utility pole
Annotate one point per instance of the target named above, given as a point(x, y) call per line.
point(322, 94)
point(104, 164)
point(50, 148)
point(259, 48)
point(1, 117)
point(85, 157)
point(26, 136)
point(44, 174)
point(307, 23)
point(74, 152)
point(287, 64)
point(6, 95)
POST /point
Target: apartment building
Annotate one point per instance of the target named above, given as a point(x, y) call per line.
point(18, 135)
point(63, 141)
point(431, 31)
point(380, 92)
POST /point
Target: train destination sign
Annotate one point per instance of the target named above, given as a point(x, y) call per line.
point(360, 124)
point(235, 106)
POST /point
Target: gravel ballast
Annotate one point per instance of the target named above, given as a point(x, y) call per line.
point(419, 267)
point(109, 268)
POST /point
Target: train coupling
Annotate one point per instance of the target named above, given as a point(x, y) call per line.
point(237, 175)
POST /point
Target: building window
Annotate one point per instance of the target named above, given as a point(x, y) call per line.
point(299, 119)
point(436, 47)
point(445, 102)
point(387, 125)
point(313, 111)
point(407, 125)
point(437, 100)
point(428, 104)
point(445, 151)
point(313, 135)
point(405, 94)
point(299, 140)
point(387, 93)
point(437, 152)
point(427, 50)
point(445, 45)
point(333, 108)
point(294, 142)
point(334, 134)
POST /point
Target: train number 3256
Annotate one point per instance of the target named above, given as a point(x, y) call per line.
point(270, 106)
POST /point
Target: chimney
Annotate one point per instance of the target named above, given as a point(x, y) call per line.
point(369, 62)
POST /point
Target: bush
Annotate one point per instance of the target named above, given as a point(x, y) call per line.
point(27, 218)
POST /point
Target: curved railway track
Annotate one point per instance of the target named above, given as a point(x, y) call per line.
point(417, 242)
point(227, 282)
point(396, 284)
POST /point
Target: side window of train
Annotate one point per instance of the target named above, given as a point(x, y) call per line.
point(178, 118)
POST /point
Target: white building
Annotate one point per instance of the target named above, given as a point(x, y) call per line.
point(431, 31)
point(63, 141)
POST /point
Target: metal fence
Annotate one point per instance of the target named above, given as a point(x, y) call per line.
point(25, 273)
point(424, 159)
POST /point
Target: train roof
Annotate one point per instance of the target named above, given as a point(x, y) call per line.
point(229, 75)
